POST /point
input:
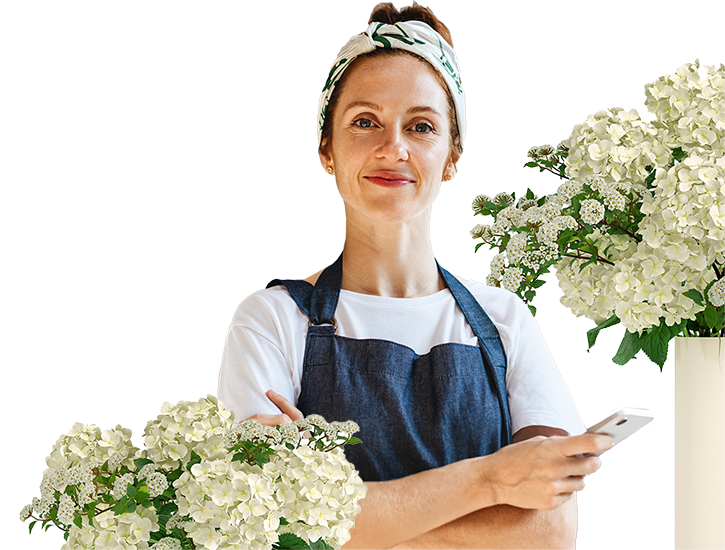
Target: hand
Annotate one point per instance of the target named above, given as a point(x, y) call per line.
point(290, 413)
point(543, 472)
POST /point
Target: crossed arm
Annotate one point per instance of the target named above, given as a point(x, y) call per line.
point(522, 496)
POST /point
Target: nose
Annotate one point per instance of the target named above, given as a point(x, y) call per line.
point(393, 145)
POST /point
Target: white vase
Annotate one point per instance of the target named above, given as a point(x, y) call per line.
point(699, 443)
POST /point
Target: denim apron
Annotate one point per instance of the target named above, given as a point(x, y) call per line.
point(415, 412)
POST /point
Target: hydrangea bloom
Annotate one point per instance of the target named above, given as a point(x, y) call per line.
point(637, 232)
point(188, 426)
point(235, 486)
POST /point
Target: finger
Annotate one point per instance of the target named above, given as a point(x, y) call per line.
point(271, 419)
point(586, 444)
point(285, 406)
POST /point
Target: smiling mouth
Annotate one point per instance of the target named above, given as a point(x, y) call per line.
point(388, 182)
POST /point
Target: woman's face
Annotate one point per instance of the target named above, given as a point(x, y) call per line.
point(390, 139)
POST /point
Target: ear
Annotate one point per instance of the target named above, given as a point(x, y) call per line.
point(451, 167)
point(325, 157)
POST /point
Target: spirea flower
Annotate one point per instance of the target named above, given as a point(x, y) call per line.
point(592, 211)
point(503, 199)
point(167, 543)
point(26, 512)
point(156, 483)
point(477, 232)
point(512, 278)
point(66, 509)
point(121, 485)
point(716, 294)
point(479, 203)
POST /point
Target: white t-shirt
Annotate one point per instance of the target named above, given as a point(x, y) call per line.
point(266, 342)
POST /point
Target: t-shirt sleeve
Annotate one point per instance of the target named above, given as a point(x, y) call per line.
point(260, 354)
point(537, 393)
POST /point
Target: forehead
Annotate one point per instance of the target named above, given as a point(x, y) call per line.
point(392, 81)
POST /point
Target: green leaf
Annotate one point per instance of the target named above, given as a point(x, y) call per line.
point(353, 441)
point(168, 509)
point(195, 459)
point(538, 283)
point(78, 521)
point(695, 296)
point(530, 194)
point(290, 541)
point(630, 346)
point(710, 315)
point(320, 544)
point(121, 506)
point(131, 491)
point(32, 524)
point(141, 462)
point(678, 154)
point(531, 164)
point(655, 342)
point(529, 295)
point(142, 495)
point(532, 309)
point(593, 333)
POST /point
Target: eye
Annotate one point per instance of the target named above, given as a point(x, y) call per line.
point(363, 122)
point(422, 128)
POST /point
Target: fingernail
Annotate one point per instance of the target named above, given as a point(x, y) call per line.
point(270, 392)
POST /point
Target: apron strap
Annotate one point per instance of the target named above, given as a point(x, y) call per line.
point(301, 292)
point(317, 302)
point(489, 342)
point(326, 294)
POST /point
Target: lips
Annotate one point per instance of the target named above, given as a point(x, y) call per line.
point(389, 179)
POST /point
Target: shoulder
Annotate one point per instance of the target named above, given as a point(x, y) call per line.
point(272, 305)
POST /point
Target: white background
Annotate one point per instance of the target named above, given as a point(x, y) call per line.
point(158, 164)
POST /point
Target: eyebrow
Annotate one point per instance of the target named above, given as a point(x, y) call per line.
point(376, 107)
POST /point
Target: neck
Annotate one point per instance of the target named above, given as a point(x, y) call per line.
point(390, 259)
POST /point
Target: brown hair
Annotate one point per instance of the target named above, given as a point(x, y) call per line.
point(389, 14)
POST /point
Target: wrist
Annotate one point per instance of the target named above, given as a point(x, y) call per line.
point(484, 482)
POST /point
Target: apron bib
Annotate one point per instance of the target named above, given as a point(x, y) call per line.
point(415, 412)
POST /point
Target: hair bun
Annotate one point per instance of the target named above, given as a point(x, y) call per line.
point(387, 13)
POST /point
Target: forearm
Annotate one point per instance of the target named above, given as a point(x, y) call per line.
point(396, 511)
point(505, 527)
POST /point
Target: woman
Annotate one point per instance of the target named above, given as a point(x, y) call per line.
point(462, 398)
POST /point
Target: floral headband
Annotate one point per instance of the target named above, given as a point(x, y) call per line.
point(413, 36)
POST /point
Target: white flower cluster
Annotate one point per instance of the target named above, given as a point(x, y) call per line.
point(680, 234)
point(129, 531)
point(641, 287)
point(547, 221)
point(717, 293)
point(617, 146)
point(686, 212)
point(223, 502)
point(167, 543)
point(691, 106)
point(88, 445)
point(71, 462)
point(235, 505)
point(188, 426)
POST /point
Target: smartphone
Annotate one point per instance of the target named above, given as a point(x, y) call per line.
point(622, 423)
